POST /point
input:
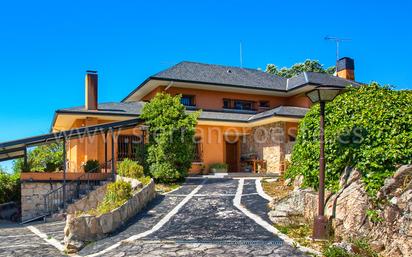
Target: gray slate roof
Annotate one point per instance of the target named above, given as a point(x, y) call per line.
point(127, 108)
point(219, 74)
point(245, 77)
point(135, 108)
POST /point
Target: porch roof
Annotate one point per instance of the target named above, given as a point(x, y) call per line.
point(17, 148)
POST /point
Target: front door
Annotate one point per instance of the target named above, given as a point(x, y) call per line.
point(232, 156)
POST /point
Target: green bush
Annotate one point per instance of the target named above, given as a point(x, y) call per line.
point(171, 130)
point(91, 166)
point(165, 173)
point(116, 195)
point(129, 168)
point(368, 128)
point(9, 187)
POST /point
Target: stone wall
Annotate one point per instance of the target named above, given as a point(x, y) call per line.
point(391, 235)
point(85, 228)
point(90, 201)
point(32, 201)
point(268, 142)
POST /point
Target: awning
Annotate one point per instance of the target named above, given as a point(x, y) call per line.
point(17, 148)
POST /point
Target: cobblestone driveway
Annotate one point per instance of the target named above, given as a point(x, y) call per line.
point(199, 219)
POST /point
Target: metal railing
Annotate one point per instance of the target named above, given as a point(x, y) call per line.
point(60, 197)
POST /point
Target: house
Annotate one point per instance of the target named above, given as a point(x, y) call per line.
point(249, 120)
point(246, 113)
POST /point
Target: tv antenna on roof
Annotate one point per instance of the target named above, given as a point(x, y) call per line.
point(337, 40)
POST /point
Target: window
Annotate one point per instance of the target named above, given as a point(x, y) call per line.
point(129, 147)
point(188, 100)
point(238, 104)
point(264, 104)
point(226, 104)
point(292, 134)
point(198, 150)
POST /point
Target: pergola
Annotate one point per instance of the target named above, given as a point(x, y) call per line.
point(18, 148)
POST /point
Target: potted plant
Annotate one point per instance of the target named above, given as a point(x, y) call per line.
point(91, 166)
point(218, 168)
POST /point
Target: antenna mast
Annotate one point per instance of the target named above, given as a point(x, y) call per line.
point(337, 40)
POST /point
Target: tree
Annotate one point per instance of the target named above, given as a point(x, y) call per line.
point(308, 65)
point(44, 158)
point(171, 129)
point(9, 187)
point(368, 128)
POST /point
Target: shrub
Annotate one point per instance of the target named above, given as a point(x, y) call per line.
point(368, 128)
point(117, 194)
point(91, 166)
point(130, 169)
point(171, 130)
point(9, 187)
point(219, 166)
point(145, 180)
point(165, 172)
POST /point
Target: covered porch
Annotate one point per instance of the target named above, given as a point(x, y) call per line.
point(43, 193)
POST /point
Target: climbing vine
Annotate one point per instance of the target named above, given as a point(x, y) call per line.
point(368, 128)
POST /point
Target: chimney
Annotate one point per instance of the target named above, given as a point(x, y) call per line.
point(91, 90)
point(345, 68)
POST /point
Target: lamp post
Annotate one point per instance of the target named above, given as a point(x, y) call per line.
point(322, 95)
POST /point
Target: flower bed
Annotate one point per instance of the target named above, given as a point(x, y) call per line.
point(85, 228)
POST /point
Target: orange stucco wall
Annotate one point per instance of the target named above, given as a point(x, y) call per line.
point(92, 148)
point(213, 137)
point(213, 100)
point(213, 140)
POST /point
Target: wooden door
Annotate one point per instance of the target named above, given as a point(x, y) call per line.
point(232, 156)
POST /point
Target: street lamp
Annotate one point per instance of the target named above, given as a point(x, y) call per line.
point(322, 95)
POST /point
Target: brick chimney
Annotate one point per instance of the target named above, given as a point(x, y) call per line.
point(346, 68)
point(91, 90)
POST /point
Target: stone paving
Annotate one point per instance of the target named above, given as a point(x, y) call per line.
point(207, 224)
point(253, 201)
point(166, 249)
point(19, 241)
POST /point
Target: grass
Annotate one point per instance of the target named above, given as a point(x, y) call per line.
point(302, 235)
point(360, 247)
point(276, 189)
point(164, 188)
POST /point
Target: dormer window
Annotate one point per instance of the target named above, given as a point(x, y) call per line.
point(188, 100)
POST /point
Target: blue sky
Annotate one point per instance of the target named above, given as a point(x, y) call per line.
point(46, 46)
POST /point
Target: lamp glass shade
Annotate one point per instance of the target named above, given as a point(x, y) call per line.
point(327, 95)
point(313, 96)
point(323, 94)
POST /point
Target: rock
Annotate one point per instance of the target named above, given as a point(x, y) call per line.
point(106, 222)
point(297, 183)
point(94, 226)
point(377, 246)
point(290, 210)
point(402, 171)
point(345, 246)
point(397, 184)
point(287, 182)
point(73, 246)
